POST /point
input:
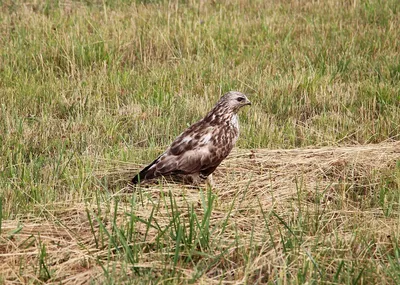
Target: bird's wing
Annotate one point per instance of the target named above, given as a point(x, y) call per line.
point(186, 154)
point(189, 139)
point(190, 153)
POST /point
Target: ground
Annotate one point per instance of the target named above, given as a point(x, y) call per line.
point(270, 214)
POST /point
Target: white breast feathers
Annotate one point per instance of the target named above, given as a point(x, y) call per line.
point(235, 122)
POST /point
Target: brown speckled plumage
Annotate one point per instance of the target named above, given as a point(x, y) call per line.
point(201, 148)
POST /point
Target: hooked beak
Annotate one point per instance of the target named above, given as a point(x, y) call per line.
point(247, 102)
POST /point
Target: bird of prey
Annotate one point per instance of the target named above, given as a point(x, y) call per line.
point(196, 153)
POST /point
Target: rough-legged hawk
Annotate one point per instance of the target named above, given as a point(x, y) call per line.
point(196, 153)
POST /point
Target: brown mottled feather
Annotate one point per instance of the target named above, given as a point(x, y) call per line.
point(202, 147)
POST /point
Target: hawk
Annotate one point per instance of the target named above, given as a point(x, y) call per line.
point(196, 153)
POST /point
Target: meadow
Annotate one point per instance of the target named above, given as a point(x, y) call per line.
point(91, 91)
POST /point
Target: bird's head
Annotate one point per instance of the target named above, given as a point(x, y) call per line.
point(234, 100)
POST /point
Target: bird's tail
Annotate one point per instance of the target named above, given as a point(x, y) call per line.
point(145, 173)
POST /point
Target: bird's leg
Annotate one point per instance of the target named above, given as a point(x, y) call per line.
point(210, 181)
point(192, 179)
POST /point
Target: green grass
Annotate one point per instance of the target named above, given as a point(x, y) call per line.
point(85, 86)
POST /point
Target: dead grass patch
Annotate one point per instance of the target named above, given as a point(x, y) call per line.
point(273, 211)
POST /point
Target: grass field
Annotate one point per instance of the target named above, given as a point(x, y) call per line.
point(90, 91)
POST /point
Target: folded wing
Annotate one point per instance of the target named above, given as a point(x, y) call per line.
point(194, 152)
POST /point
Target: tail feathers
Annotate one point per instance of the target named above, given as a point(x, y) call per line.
point(136, 179)
point(145, 173)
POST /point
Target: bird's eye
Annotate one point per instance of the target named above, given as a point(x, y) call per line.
point(240, 99)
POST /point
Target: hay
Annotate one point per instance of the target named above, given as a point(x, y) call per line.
point(249, 185)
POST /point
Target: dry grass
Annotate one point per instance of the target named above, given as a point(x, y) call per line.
point(275, 212)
